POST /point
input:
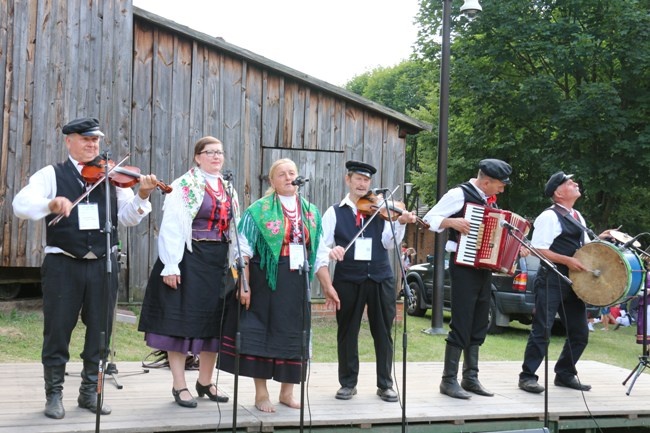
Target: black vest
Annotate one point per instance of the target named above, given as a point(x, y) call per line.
point(471, 196)
point(66, 234)
point(357, 271)
point(569, 241)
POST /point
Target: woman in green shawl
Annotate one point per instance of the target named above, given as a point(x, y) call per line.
point(273, 312)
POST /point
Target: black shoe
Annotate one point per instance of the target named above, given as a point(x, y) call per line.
point(202, 390)
point(180, 401)
point(54, 406)
point(530, 385)
point(89, 401)
point(345, 393)
point(572, 383)
point(387, 394)
point(473, 385)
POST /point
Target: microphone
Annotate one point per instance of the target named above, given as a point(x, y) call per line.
point(227, 175)
point(299, 181)
point(377, 191)
point(507, 225)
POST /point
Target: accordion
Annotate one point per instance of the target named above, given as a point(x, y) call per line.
point(489, 245)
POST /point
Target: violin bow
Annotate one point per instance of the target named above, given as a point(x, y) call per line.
point(59, 217)
point(363, 227)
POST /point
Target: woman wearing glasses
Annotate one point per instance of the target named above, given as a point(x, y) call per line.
point(183, 304)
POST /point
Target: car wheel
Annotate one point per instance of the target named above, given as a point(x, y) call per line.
point(415, 301)
point(9, 291)
point(492, 319)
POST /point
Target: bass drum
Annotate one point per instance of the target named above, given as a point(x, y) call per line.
point(614, 274)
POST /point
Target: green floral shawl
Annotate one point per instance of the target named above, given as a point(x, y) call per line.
point(262, 224)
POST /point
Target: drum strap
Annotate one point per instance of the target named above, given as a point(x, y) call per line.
point(567, 215)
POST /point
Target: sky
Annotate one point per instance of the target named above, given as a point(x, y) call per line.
point(331, 40)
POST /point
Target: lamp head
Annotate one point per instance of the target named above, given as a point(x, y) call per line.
point(471, 8)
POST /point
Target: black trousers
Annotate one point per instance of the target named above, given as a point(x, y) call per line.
point(554, 296)
point(470, 305)
point(70, 287)
point(380, 300)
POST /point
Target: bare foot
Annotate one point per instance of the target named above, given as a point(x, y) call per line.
point(264, 405)
point(290, 401)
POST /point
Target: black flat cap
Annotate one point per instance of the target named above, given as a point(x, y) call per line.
point(88, 126)
point(496, 169)
point(555, 181)
point(361, 168)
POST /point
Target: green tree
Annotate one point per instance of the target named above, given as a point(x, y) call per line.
point(408, 88)
point(550, 85)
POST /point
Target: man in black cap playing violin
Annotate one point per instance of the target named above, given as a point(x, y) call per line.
point(470, 287)
point(73, 272)
point(362, 277)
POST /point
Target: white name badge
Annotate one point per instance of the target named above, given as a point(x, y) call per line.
point(88, 216)
point(296, 256)
point(363, 249)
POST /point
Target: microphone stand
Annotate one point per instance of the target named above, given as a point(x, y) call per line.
point(305, 270)
point(407, 301)
point(107, 286)
point(241, 285)
point(521, 238)
point(643, 359)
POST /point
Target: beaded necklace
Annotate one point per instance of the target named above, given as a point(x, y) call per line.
point(295, 222)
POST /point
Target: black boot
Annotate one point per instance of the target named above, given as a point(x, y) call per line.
point(449, 384)
point(470, 380)
point(88, 390)
point(54, 378)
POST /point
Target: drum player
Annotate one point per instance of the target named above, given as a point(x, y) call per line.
point(558, 238)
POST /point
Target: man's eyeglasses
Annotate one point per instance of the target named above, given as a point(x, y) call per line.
point(212, 153)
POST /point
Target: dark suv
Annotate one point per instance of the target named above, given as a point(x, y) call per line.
point(512, 296)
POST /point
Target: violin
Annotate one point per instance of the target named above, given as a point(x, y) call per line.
point(120, 176)
point(370, 203)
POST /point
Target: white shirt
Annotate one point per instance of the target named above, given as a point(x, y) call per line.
point(33, 200)
point(329, 224)
point(548, 227)
point(450, 204)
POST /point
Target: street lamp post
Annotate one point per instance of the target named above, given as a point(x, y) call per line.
point(470, 8)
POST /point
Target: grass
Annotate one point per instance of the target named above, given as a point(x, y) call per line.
point(21, 339)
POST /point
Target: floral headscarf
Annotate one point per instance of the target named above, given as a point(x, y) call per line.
point(262, 224)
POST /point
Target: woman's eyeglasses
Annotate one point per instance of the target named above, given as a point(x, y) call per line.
point(212, 153)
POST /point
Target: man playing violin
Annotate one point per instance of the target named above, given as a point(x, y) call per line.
point(470, 287)
point(362, 277)
point(73, 273)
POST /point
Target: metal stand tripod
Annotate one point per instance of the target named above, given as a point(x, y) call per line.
point(643, 359)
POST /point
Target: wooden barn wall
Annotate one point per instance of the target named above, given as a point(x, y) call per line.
point(58, 61)
point(156, 91)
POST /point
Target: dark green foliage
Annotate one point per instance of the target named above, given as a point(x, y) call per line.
point(547, 86)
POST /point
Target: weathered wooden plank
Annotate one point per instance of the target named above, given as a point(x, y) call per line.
point(213, 96)
point(249, 168)
point(354, 133)
point(145, 403)
point(271, 109)
point(141, 143)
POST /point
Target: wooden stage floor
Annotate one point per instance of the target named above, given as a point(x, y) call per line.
point(145, 403)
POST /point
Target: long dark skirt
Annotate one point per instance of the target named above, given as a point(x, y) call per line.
point(271, 330)
point(196, 308)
